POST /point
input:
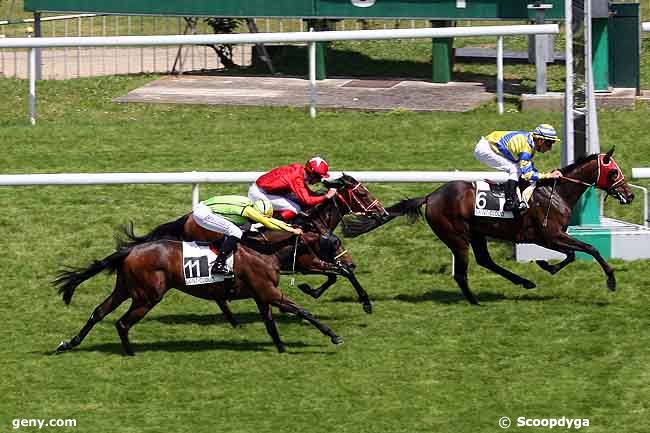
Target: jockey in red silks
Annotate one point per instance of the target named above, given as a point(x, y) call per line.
point(287, 187)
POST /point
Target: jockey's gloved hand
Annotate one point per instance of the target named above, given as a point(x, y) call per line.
point(330, 193)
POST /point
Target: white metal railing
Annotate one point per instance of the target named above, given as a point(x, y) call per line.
point(195, 178)
point(53, 18)
point(643, 173)
point(247, 38)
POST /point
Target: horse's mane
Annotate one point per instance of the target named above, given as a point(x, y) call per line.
point(261, 243)
point(580, 161)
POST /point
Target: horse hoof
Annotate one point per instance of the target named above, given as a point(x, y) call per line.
point(611, 284)
point(337, 340)
point(281, 348)
point(63, 347)
point(367, 308)
point(528, 285)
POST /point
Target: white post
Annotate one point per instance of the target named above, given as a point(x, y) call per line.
point(568, 155)
point(312, 78)
point(195, 194)
point(32, 86)
point(593, 140)
point(500, 74)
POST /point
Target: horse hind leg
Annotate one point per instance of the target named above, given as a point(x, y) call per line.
point(483, 258)
point(461, 263)
point(460, 249)
point(227, 312)
point(115, 299)
point(269, 323)
point(135, 313)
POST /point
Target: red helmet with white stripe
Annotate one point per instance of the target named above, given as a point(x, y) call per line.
point(318, 166)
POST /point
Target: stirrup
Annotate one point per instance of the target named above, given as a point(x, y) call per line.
point(219, 267)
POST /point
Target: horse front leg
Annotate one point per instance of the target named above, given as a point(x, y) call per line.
point(361, 293)
point(316, 293)
point(331, 270)
point(568, 245)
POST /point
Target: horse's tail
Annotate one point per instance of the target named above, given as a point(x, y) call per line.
point(68, 279)
point(411, 208)
point(355, 226)
point(172, 230)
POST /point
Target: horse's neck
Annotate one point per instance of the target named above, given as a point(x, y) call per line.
point(327, 217)
point(269, 242)
point(572, 191)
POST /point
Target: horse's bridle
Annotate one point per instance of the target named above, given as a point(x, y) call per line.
point(352, 197)
point(609, 189)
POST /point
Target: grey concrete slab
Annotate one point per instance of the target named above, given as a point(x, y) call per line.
point(353, 94)
point(618, 98)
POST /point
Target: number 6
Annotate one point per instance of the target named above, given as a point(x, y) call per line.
point(481, 201)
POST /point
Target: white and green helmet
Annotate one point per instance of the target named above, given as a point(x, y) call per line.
point(264, 206)
point(546, 131)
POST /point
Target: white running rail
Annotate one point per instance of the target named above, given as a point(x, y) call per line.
point(195, 178)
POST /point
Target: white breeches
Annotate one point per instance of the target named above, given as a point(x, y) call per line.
point(484, 153)
point(279, 202)
point(209, 220)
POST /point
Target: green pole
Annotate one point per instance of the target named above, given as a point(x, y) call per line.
point(441, 53)
point(600, 52)
point(587, 210)
point(321, 60)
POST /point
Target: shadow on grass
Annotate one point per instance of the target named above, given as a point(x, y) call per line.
point(190, 346)
point(289, 61)
point(218, 319)
point(448, 297)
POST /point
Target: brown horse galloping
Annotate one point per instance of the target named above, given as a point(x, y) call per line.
point(146, 272)
point(352, 198)
point(450, 214)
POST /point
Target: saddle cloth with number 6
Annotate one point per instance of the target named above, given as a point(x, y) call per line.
point(197, 264)
point(490, 199)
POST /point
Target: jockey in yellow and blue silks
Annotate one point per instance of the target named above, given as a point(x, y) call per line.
point(226, 214)
point(513, 152)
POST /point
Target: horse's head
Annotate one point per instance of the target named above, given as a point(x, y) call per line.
point(611, 180)
point(602, 171)
point(328, 247)
point(354, 197)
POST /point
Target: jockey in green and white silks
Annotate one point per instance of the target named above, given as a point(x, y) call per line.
point(227, 213)
point(513, 152)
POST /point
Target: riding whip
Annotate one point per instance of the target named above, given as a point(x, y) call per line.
point(550, 200)
point(293, 267)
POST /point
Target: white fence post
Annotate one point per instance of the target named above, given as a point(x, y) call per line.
point(32, 85)
point(312, 78)
point(500, 74)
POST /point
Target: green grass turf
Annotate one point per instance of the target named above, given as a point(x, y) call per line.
point(424, 361)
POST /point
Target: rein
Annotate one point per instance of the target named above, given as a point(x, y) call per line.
point(578, 181)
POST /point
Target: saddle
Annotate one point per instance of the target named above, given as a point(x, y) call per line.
point(490, 198)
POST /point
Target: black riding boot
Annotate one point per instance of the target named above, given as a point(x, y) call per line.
point(512, 200)
point(228, 246)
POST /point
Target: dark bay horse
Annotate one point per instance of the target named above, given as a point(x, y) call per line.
point(145, 272)
point(449, 211)
point(352, 198)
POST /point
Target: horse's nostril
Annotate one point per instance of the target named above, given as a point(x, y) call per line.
point(630, 197)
